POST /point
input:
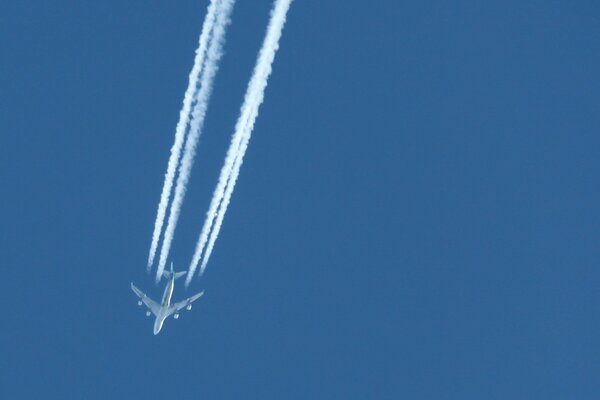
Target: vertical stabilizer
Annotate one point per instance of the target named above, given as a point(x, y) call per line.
point(172, 274)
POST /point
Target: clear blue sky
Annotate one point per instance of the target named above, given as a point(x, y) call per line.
point(417, 216)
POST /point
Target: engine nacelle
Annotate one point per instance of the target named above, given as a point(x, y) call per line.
point(189, 307)
point(140, 303)
point(176, 316)
point(148, 313)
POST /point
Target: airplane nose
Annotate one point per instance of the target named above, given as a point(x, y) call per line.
point(158, 326)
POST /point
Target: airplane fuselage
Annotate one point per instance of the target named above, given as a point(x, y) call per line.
point(165, 303)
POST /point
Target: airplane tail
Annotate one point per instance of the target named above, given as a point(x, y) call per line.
point(176, 275)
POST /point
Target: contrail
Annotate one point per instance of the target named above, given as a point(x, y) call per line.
point(241, 137)
point(207, 28)
point(221, 187)
point(214, 54)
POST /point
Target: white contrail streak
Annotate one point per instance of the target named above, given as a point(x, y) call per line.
point(207, 28)
point(214, 54)
point(241, 137)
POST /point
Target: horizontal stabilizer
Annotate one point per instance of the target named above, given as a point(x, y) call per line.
point(167, 274)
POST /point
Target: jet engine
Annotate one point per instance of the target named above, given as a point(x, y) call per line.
point(148, 313)
point(140, 303)
point(176, 316)
point(189, 307)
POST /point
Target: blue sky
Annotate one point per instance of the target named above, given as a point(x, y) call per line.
point(417, 214)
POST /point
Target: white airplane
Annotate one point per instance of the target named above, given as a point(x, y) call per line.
point(163, 310)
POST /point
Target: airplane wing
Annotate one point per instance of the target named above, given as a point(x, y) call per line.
point(151, 304)
point(182, 304)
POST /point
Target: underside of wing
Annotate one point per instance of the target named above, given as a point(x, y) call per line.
point(187, 302)
point(153, 306)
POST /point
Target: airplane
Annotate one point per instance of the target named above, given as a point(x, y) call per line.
point(163, 310)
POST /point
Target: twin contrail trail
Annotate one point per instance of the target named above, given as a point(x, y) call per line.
point(184, 114)
point(207, 75)
point(240, 139)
